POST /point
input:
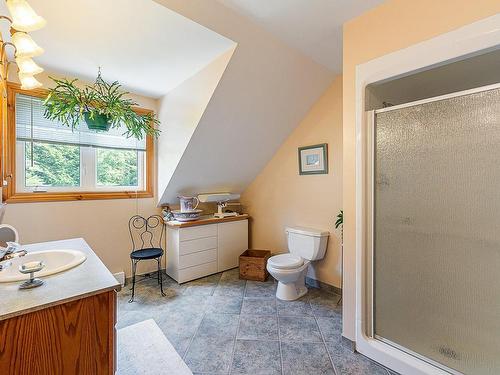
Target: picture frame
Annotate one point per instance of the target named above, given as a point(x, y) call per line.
point(313, 159)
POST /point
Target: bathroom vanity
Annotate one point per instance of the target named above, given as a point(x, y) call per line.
point(206, 246)
point(65, 326)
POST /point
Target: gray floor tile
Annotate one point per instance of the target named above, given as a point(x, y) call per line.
point(200, 290)
point(331, 328)
point(259, 306)
point(202, 287)
point(224, 304)
point(347, 362)
point(211, 279)
point(256, 358)
point(181, 323)
point(300, 307)
point(185, 304)
point(209, 354)
point(298, 329)
point(144, 298)
point(230, 289)
point(325, 304)
point(258, 327)
point(218, 325)
point(230, 276)
point(179, 342)
point(301, 358)
point(210, 306)
point(127, 318)
point(261, 289)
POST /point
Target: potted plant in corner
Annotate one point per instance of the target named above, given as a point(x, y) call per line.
point(340, 223)
point(102, 106)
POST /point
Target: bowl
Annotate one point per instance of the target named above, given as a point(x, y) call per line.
point(186, 215)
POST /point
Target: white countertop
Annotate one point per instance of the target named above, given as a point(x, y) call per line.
point(89, 278)
point(205, 220)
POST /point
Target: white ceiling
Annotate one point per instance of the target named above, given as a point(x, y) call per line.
point(312, 26)
point(147, 47)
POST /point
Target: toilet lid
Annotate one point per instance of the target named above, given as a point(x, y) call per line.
point(285, 261)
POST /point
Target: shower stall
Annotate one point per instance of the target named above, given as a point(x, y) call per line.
point(433, 230)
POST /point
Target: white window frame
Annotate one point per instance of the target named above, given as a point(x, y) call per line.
point(88, 173)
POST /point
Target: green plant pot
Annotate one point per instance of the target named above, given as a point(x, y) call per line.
point(98, 122)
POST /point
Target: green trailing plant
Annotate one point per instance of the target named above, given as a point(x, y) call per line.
point(340, 223)
point(340, 219)
point(102, 106)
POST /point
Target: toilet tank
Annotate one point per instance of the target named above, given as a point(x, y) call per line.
point(308, 243)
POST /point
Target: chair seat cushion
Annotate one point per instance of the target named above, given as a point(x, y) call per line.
point(147, 253)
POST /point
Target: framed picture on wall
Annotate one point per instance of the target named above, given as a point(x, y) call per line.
point(313, 159)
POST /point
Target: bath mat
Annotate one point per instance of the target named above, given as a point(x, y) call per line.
point(144, 349)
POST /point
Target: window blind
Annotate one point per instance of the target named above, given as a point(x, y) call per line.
point(31, 125)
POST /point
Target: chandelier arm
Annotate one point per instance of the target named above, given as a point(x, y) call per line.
point(2, 52)
point(6, 18)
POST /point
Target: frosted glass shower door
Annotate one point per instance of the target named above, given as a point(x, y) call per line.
point(436, 230)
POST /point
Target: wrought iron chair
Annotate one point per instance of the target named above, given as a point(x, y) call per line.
point(146, 235)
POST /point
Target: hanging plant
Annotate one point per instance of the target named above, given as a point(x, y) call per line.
point(102, 106)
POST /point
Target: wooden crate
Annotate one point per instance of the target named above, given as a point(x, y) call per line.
point(253, 265)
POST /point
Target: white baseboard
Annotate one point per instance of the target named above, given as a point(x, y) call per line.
point(120, 277)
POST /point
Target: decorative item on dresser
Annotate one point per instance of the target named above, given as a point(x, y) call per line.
point(204, 247)
point(222, 200)
point(183, 216)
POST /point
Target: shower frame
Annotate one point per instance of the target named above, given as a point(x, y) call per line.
point(370, 215)
point(467, 40)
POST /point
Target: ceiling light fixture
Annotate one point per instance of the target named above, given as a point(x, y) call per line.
point(26, 65)
point(24, 17)
point(25, 45)
point(28, 82)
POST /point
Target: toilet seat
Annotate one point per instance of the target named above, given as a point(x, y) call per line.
point(285, 261)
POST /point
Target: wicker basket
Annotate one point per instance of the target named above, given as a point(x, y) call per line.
point(253, 265)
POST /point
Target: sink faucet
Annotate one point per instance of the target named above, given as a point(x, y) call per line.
point(12, 250)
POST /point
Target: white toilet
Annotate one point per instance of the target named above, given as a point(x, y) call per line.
point(305, 245)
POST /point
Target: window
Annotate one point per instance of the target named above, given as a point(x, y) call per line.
point(49, 161)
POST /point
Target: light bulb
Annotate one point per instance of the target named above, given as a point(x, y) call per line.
point(24, 17)
point(25, 46)
point(27, 66)
point(28, 82)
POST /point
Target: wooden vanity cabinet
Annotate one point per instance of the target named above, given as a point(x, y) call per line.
point(76, 337)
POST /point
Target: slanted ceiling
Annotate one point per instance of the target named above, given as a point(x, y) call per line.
point(150, 49)
point(314, 27)
point(265, 91)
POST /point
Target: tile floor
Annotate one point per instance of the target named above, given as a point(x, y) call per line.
point(223, 325)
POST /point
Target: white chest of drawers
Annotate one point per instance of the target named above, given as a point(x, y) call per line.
point(205, 247)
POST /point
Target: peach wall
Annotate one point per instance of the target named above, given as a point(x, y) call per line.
point(392, 26)
point(279, 196)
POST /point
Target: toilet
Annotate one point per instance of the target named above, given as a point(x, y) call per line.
point(290, 269)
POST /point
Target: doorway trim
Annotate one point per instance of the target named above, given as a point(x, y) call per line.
point(467, 40)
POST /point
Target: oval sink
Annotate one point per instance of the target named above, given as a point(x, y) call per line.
point(55, 261)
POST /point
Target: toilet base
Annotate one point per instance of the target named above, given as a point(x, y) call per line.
point(291, 291)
